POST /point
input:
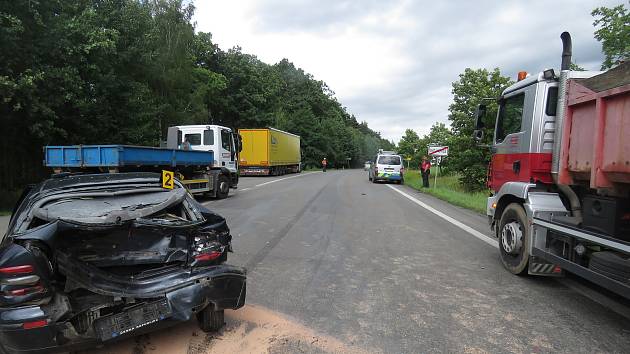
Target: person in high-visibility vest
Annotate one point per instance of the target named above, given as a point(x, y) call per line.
point(324, 164)
point(425, 170)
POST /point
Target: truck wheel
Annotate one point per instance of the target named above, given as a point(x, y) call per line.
point(210, 320)
point(223, 187)
point(514, 239)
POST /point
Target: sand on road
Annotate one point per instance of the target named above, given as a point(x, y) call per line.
point(252, 329)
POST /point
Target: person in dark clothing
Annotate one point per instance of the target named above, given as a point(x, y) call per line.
point(186, 144)
point(425, 170)
point(324, 164)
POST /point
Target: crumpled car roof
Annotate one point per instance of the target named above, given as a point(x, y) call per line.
point(107, 207)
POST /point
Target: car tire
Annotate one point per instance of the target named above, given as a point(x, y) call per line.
point(514, 239)
point(211, 320)
point(223, 187)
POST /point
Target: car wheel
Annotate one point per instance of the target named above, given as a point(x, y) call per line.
point(223, 187)
point(210, 320)
point(514, 239)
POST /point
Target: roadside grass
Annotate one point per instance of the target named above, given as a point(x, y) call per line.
point(5, 212)
point(448, 189)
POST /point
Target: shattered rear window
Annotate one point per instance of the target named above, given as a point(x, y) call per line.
point(92, 209)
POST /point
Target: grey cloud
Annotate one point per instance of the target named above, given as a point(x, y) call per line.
point(444, 39)
point(312, 15)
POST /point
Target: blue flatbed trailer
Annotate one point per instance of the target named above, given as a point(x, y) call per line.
point(196, 167)
point(118, 156)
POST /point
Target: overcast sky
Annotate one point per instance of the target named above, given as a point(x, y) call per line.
point(391, 63)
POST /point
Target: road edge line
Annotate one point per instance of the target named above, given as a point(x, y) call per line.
point(470, 230)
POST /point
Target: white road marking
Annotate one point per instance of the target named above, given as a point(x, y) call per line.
point(262, 184)
point(285, 178)
point(591, 294)
point(470, 230)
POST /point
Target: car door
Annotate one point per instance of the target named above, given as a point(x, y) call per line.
point(228, 153)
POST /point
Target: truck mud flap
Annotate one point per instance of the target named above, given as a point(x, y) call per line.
point(540, 267)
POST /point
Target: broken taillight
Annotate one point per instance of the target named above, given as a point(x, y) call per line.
point(205, 248)
point(21, 269)
point(35, 324)
point(210, 256)
point(26, 291)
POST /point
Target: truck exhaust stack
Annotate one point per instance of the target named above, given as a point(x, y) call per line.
point(566, 51)
point(564, 73)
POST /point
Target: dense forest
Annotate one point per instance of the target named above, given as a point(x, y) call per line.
point(123, 71)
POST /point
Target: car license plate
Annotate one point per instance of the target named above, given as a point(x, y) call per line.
point(112, 326)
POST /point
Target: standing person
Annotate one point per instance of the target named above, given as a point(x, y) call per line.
point(324, 164)
point(425, 170)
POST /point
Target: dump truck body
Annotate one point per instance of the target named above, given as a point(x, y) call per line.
point(595, 147)
point(195, 168)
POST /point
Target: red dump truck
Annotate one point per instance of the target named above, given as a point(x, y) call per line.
point(560, 174)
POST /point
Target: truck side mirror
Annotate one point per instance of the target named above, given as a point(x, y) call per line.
point(479, 114)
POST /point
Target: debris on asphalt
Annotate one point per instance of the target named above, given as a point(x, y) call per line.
point(252, 329)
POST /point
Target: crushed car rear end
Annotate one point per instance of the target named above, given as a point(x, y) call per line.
point(94, 258)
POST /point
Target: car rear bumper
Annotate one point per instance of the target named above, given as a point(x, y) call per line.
point(388, 177)
point(222, 286)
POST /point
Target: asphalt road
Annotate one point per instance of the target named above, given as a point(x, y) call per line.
point(339, 264)
point(366, 265)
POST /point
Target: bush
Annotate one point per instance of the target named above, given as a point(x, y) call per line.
point(473, 178)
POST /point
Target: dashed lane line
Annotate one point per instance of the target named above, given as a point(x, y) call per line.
point(492, 242)
point(263, 184)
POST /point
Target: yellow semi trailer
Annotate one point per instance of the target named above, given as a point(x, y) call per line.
point(269, 151)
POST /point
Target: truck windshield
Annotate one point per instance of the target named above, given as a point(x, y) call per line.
point(193, 139)
point(510, 117)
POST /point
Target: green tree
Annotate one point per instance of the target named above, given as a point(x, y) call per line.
point(575, 67)
point(466, 157)
point(439, 134)
point(613, 31)
point(409, 144)
point(122, 71)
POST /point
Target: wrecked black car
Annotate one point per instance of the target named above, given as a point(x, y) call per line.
point(92, 258)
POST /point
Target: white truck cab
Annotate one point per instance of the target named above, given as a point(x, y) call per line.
point(223, 141)
point(219, 139)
